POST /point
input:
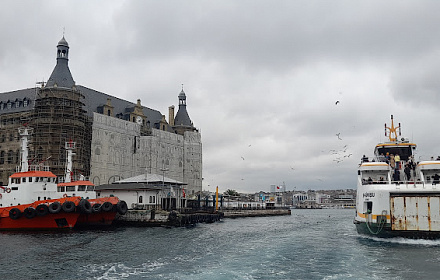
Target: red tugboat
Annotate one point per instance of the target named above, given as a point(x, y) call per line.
point(33, 200)
point(97, 212)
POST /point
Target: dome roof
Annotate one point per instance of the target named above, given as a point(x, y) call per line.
point(63, 42)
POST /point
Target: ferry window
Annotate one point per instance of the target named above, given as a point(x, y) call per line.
point(38, 198)
point(90, 188)
point(24, 179)
point(140, 199)
point(61, 189)
point(14, 188)
point(81, 188)
point(30, 179)
point(70, 188)
point(36, 179)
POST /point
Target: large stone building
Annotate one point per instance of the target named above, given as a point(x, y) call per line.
point(115, 138)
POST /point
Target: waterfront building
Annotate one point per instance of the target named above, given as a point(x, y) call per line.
point(115, 138)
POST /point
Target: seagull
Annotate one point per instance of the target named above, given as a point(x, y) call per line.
point(337, 102)
point(242, 158)
point(339, 134)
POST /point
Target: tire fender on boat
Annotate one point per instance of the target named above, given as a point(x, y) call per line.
point(65, 195)
point(68, 206)
point(8, 190)
point(30, 212)
point(96, 208)
point(85, 206)
point(55, 207)
point(15, 213)
point(107, 206)
point(122, 207)
point(42, 210)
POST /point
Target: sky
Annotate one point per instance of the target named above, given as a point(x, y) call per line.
point(262, 78)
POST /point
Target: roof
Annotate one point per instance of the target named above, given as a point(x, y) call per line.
point(130, 186)
point(33, 174)
point(76, 183)
point(92, 100)
point(149, 179)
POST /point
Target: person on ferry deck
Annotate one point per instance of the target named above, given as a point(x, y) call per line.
point(364, 159)
point(397, 160)
point(407, 171)
point(438, 158)
point(392, 161)
point(436, 179)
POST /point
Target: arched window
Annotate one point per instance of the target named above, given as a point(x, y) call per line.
point(151, 199)
point(140, 199)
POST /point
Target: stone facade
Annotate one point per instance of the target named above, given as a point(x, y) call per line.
point(121, 149)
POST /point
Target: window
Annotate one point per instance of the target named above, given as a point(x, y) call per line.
point(140, 199)
point(61, 189)
point(70, 188)
point(10, 157)
point(151, 199)
point(9, 105)
point(81, 188)
point(25, 103)
point(2, 157)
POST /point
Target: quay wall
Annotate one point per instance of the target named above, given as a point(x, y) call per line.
point(255, 213)
point(152, 218)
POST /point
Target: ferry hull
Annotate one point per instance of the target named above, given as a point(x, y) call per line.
point(385, 231)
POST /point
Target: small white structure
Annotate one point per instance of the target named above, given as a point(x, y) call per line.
point(147, 191)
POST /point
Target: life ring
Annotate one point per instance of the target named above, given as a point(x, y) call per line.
point(42, 210)
point(85, 206)
point(30, 212)
point(55, 207)
point(96, 208)
point(68, 206)
point(122, 207)
point(65, 195)
point(107, 206)
point(8, 190)
point(15, 213)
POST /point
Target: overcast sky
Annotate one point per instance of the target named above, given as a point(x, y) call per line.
point(261, 77)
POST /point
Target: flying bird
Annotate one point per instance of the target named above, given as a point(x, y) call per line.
point(242, 158)
point(339, 136)
point(337, 102)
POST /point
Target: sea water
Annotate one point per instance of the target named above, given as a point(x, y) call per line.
point(309, 244)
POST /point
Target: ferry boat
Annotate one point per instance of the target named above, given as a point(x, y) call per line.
point(398, 198)
point(34, 200)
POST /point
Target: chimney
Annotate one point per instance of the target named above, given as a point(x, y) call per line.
point(171, 115)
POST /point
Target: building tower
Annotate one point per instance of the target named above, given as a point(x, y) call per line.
point(182, 122)
point(59, 117)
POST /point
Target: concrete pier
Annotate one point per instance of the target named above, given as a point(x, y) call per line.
point(157, 218)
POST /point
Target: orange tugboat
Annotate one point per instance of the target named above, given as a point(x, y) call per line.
point(33, 199)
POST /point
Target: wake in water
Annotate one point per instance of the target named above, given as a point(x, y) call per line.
point(403, 241)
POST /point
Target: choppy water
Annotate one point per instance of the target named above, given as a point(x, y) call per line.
point(309, 244)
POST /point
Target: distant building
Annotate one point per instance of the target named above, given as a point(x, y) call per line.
point(115, 138)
